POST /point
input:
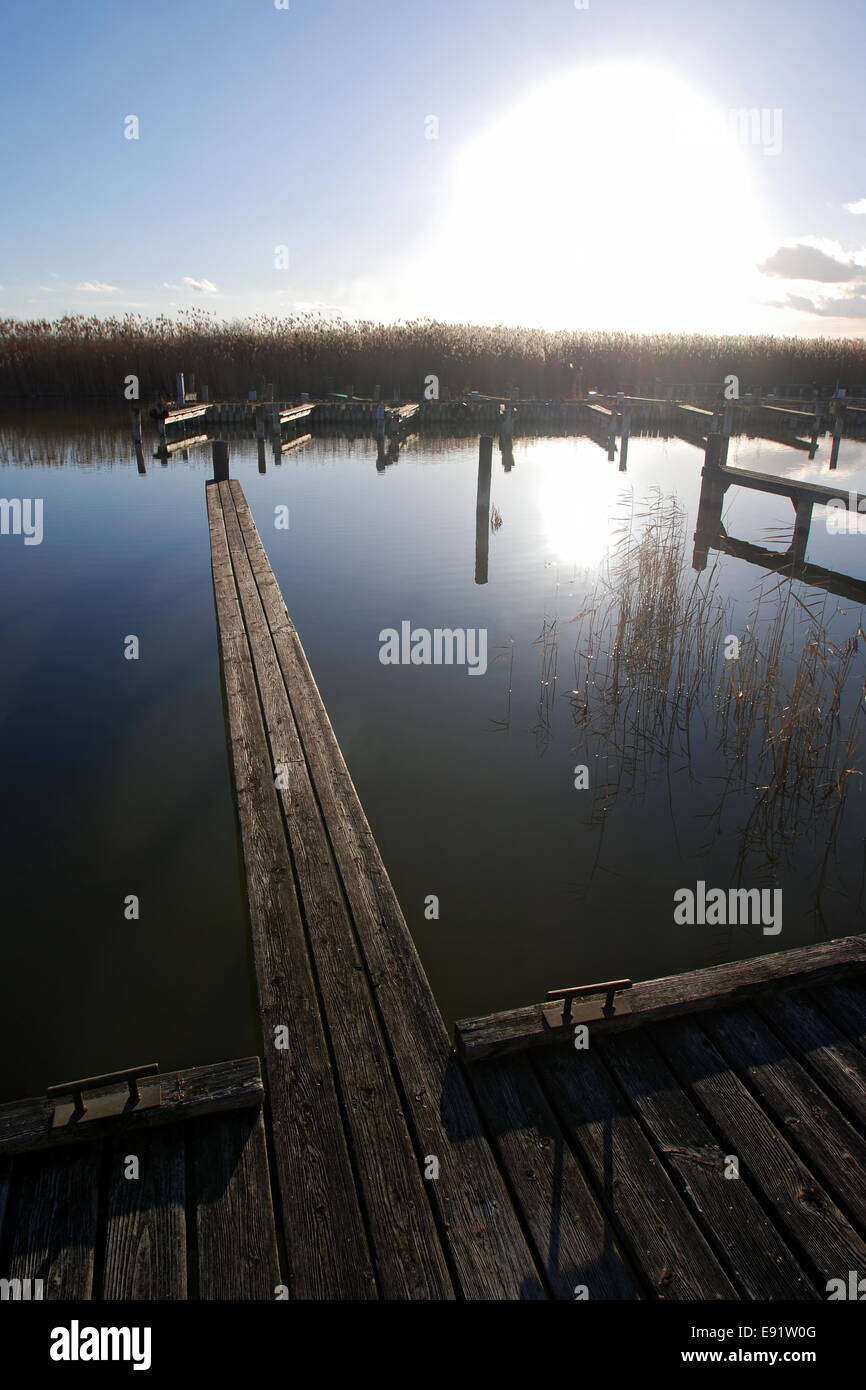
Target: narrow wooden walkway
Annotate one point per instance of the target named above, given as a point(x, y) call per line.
point(365, 1096)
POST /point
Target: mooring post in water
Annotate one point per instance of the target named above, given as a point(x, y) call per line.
point(181, 396)
point(205, 394)
point(136, 424)
point(261, 452)
point(482, 508)
point(623, 448)
point(838, 426)
point(220, 454)
point(139, 458)
point(260, 424)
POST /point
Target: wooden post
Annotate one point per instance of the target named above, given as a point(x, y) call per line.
point(482, 508)
point(220, 455)
point(205, 394)
point(261, 452)
point(377, 394)
point(623, 448)
point(139, 458)
point(181, 395)
point(260, 424)
point(192, 383)
point(136, 424)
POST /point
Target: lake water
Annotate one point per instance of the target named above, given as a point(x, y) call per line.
point(115, 772)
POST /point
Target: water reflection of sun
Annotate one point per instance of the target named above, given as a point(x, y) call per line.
point(577, 500)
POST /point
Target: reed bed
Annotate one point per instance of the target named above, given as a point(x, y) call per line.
point(80, 356)
point(779, 726)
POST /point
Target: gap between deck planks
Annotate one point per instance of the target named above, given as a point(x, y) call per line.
point(336, 965)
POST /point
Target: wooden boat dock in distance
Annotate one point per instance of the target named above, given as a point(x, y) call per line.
point(709, 1142)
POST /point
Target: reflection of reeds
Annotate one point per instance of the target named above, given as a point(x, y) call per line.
point(503, 725)
point(652, 678)
point(548, 640)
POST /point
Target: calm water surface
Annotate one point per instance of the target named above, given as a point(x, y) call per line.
point(115, 772)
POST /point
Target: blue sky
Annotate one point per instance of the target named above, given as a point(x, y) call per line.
point(586, 171)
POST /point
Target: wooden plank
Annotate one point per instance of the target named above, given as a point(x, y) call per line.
point(326, 1245)
point(191, 412)
point(818, 1232)
point(489, 1249)
point(28, 1124)
point(802, 1111)
point(836, 1062)
point(735, 1224)
point(145, 1237)
point(845, 1004)
point(237, 1241)
point(573, 1242)
point(769, 482)
point(56, 1215)
point(653, 1223)
point(409, 1260)
point(654, 1000)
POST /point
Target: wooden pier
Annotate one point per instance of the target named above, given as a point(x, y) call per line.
point(697, 1137)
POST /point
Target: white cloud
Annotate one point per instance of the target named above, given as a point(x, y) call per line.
point(200, 286)
point(815, 259)
point(97, 287)
point(859, 206)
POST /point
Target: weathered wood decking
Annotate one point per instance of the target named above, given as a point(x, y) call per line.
point(194, 1220)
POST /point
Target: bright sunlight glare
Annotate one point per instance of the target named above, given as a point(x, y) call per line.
point(604, 198)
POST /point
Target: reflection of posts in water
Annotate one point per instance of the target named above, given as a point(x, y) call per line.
point(261, 453)
point(139, 456)
point(709, 523)
point(802, 522)
point(381, 456)
point(482, 508)
point(136, 424)
point(506, 447)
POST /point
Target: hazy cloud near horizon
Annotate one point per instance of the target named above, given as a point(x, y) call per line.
point(805, 262)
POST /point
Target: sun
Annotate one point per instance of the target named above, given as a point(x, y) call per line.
point(602, 199)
